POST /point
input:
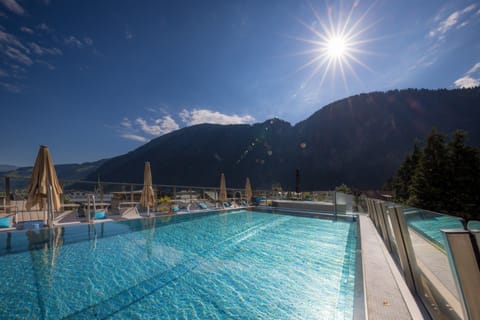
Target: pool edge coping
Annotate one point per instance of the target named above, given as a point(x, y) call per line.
point(404, 298)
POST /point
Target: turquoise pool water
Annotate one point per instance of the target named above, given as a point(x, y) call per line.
point(248, 265)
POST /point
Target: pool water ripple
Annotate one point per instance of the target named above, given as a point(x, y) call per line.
point(247, 265)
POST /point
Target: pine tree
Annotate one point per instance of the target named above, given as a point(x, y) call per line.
point(464, 163)
point(440, 177)
point(430, 183)
point(404, 176)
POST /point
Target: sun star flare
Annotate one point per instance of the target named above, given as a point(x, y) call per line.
point(336, 44)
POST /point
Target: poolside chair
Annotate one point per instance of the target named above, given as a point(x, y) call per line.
point(202, 205)
point(259, 200)
point(130, 213)
point(67, 217)
point(7, 222)
point(98, 215)
point(8, 216)
point(227, 204)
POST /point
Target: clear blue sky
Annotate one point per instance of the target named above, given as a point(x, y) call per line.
point(96, 79)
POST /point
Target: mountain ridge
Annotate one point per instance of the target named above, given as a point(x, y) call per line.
point(7, 167)
point(359, 140)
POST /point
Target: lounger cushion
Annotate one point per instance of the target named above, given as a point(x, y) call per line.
point(98, 215)
point(175, 209)
point(202, 206)
point(5, 222)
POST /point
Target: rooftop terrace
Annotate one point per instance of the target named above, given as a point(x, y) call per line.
point(410, 268)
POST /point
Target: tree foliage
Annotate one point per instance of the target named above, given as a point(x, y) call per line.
point(404, 176)
point(430, 182)
point(464, 197)
point(343, 188)
point(443, 177)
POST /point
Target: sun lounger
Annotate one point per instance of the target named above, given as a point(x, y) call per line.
point(68, 215)
point(98, 215)
point(6, 222)
point(130, 213)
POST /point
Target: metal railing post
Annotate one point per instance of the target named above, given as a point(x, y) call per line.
point(335, 202)
point(7, 194)
point(87, 213)
point(465, 268)
point(101, 192)
point(49, 207)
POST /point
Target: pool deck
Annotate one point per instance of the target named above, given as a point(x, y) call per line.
point(70, 217)
point(386, 293)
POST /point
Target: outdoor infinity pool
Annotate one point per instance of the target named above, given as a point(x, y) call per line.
point(240, 264)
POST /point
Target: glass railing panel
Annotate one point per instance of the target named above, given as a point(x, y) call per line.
point(432, 272)
point(429, 224)
point(113, 193)
point(474, 225)
point(393, 240)
point(361, 203)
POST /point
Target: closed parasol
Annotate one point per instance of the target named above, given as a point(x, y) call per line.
point(147, 198)
point(44, 186)
point(222, 197)
point(248, 190)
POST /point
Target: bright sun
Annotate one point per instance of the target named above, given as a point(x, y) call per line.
point(336, 43)
point(336, 47)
